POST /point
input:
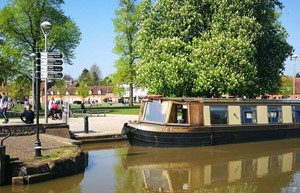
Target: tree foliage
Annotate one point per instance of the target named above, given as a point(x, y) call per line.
point(91, 77)
point(126, 22)
point(82, 90)
point(210, 47)
point(286, 88)
point(60, 87)
point(20, 88)
point(85, 76)
point(95, 74)
point(20, 28)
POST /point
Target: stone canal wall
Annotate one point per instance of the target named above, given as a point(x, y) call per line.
point(34, 173)
point(29, 129)
point(45, 168)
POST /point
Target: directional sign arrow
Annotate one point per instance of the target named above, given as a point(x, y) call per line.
point(55, 68)
point(55, 75)
point(55, 62)
point(55, 55)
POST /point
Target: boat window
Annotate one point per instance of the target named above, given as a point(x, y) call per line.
point(218, 115)
point(156, 111)
point(248, 114)
point(296, 114)
point(178, 113)
point(274, 114)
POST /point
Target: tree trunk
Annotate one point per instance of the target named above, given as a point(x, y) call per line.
point(130, 95)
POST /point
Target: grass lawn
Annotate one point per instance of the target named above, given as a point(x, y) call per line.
point(125, 110)
point(113, 109)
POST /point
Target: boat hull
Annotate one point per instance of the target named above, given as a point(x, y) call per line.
point(178, 136)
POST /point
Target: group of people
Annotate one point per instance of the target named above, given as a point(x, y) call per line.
point(54, 110)
point(28, 115)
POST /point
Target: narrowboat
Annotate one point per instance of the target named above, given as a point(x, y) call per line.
point(187, 122)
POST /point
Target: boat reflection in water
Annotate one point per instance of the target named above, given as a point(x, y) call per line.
point(251, 166)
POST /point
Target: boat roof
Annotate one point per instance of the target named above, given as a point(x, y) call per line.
point(230, 100)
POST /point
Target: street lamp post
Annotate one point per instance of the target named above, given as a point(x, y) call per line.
point(32, 56)
point(294, 58)
point(46, 26)
point(107, 95)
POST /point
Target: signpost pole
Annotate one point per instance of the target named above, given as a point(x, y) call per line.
point(37, 143)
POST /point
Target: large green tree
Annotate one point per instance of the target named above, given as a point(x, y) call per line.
point(211, 47)
point(126, 22)
point(20, 30)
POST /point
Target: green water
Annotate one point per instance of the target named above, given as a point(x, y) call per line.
point(118, 168)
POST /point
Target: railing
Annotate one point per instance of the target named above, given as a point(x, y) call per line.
point(7, 136)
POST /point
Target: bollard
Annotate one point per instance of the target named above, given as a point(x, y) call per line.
point(2, 165)
point(86, 124)
point(3, 162)
point(65, 113)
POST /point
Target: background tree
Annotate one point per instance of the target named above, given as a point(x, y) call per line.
point(108, 80)
point(85, 76)
point(20, 88)
point(286, 88)
point(82, 90)
point(60, 88)
point(20, 29)
point(207, 48)
point(119, 91)
point(95, 74)
point(126, 22)
point(68, 77)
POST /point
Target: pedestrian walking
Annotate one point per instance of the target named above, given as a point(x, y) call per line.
point(3, 108)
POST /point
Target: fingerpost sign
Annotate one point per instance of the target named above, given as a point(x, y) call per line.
point(51, 65)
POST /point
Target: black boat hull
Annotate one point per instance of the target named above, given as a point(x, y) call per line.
point(173, 136)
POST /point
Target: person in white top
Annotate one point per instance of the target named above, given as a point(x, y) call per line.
point(50, 103)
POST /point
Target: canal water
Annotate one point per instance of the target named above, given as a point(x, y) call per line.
point(244, 168)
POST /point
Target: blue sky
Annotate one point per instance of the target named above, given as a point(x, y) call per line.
point(94, 18)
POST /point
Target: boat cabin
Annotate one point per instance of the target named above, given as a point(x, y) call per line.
point(207, 112)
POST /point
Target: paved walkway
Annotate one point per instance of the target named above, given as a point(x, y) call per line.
point(23, 147)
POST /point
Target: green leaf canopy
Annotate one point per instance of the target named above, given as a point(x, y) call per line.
point(211, 47)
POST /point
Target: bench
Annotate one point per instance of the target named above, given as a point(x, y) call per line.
point(79, 112)
point(14, 112)
point(98, 113)
point(88, 112)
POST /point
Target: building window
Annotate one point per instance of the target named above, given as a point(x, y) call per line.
point(218, 115)
point(248, 114)
point(275, 114)
point(296, 114)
